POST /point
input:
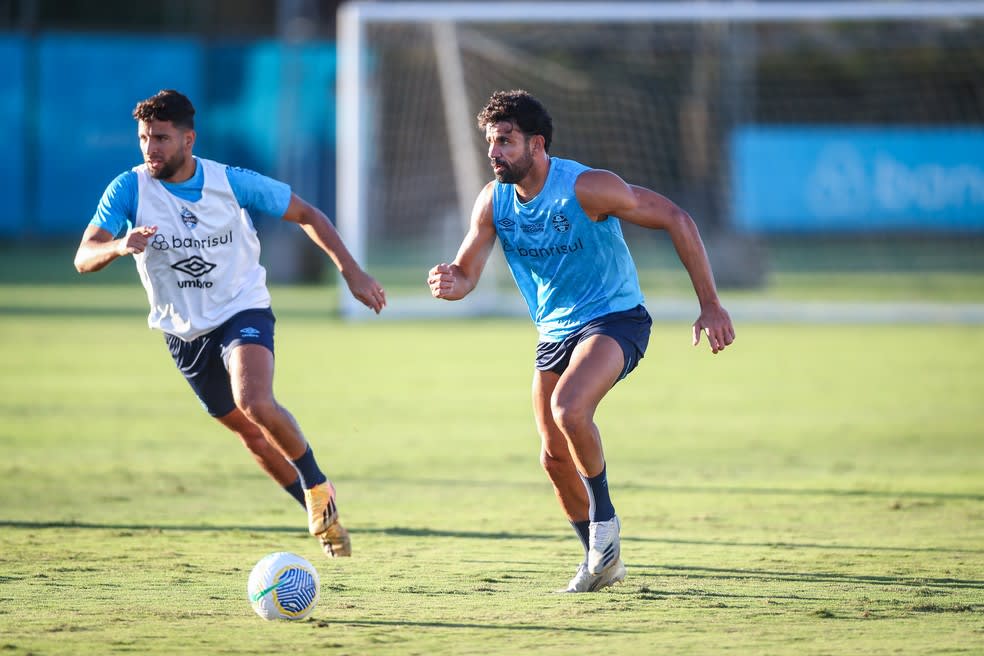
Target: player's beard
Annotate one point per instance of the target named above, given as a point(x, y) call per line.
point(513, 173)
point(169, 168)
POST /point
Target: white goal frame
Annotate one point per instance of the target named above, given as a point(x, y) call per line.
point(353, 161)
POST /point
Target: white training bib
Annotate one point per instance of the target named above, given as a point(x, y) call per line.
point(203, 264)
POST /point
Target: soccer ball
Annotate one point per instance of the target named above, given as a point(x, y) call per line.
point(283, 586)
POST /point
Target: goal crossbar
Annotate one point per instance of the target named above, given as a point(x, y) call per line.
point(355, 109)
point(620, 12)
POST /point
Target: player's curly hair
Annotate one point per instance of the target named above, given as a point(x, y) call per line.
point(519, 107)
point(167, 105)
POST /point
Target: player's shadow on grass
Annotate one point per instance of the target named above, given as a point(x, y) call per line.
point(593, 629)
point(808, 492)
point(401, 531)
point(803, 545)
point(900, 496)
point(717, 573)
point(408, 531)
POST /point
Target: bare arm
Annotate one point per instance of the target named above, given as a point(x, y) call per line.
point(602, 193)
point(98, 248)
point(320, 230)
point(456, 280)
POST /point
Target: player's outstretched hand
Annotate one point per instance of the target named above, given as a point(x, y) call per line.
point(365, 288)
point(441, 280)
point(136, 240)
point(715, 322)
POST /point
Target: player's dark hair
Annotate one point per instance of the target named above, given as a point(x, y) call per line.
point(167, 105)
point(519, 107)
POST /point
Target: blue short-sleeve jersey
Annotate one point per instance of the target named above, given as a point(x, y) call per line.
point(256, 193)
point(568, 268)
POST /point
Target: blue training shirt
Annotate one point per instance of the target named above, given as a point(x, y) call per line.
point(568, 268)
point(256, 193)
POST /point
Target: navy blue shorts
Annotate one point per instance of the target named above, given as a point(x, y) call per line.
point(630, 328)
point(204, 361)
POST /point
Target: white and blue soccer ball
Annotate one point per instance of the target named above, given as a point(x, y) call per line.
point(283, 586)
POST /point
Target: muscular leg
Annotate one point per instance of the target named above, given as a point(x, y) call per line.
point(251, 376)
point(573, 457)
point(268, 457)
point(595, 366)
point(564, 408)
point(555, 455)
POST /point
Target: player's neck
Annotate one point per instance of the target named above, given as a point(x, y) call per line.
point(531, 185)
point(186, 172)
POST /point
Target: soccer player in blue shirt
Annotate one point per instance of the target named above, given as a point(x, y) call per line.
point(559, 224)
point(187, 222)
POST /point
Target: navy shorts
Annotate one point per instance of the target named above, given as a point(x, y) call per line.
point(630, 328)
point(204, 361)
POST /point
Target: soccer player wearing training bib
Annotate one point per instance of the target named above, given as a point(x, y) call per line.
point(560, 227)
point(188, 224)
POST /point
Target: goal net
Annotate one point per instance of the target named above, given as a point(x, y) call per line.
point(701, 101)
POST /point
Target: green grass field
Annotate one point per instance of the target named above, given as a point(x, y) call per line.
point(812, 490)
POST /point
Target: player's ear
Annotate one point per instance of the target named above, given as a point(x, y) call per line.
point(189, 137)
point(538, 143)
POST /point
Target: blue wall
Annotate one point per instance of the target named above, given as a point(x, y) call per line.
point(68, 99)
point(876, 179)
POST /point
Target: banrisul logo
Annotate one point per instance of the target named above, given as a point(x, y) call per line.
point(548, 251)
point(188, 217)
point(208, 242)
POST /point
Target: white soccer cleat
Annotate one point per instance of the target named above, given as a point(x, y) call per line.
point(604, 547)
point(584, 581)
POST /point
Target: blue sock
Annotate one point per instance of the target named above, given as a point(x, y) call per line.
point(296, 490)
point(581, 528)
point(601, 508)
point(307, 467)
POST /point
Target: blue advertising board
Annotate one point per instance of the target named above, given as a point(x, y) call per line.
point(793, 179)
point(13, 115)
point(87, 90)
point(271, 108)
point(68, 98)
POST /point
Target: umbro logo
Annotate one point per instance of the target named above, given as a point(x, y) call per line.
point(249, 332)
point(506, 223)
point(194, 266)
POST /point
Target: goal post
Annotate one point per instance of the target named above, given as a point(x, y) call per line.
point(663, 93)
